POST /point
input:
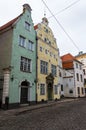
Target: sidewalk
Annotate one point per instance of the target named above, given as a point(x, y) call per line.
point(24, 109)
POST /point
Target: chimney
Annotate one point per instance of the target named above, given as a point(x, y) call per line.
point(27, 7)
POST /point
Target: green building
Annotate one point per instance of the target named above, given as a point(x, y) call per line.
point(18, 60)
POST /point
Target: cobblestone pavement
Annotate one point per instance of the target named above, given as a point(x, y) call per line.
point(63, 116)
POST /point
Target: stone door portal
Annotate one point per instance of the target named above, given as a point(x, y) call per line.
point(49, 82)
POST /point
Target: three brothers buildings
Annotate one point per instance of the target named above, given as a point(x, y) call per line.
point(31, 69)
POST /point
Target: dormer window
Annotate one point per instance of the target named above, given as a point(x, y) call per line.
point(27, 26)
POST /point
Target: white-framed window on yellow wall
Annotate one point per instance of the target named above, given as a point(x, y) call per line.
point(55, 89)
point(42, 89)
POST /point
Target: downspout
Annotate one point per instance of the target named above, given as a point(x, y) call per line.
point(36, 64)
point(74, 84)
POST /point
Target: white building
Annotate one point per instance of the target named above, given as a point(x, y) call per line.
point(72, 76)
point(82, 58)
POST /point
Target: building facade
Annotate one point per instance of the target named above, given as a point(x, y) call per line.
point(47, 61)
point(18, 59)
point(72, 76)
point(60, 76)
point(82, 58)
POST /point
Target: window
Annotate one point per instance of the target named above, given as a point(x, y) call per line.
point(25, 64)
point(84, 71)
point(22, 41)
point(77, 75)
point(81, 78)
point(45, 39)
point(40, 48)
point(30, 45)
point(43, 67)
point(61, 87)
point(85, 90)
point(78, 90)
point(27, 26)
point(54, 56)
point(53, 70)
point(71, 91)
point(50, 42)
point(55, 89)
point(84, 81)
point(42, 89)
point(60, 75)
point(76, 65)
point(80, 67)
point(46, 30)
point(46, 51)
point(70, 80)
point(51, 54)
point(82, 89)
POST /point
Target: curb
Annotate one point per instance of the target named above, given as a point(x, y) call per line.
point(43, 106)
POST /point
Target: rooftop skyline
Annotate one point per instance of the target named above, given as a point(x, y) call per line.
point(69, 13)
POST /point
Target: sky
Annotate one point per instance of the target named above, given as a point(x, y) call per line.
point(71, 18)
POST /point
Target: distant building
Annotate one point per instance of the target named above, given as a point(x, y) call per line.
point(47, 61)
point(72, 76)
point(18, 60)
point(82, 58)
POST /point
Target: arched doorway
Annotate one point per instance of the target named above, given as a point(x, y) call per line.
point(24, 91)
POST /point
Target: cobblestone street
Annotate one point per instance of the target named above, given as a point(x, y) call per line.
point(62, 116)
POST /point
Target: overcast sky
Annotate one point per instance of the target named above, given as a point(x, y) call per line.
point(72, 19)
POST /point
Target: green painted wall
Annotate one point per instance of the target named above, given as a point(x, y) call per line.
point(17, 52)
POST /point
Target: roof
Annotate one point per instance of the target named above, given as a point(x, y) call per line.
point(67, 57)
point(67, 61)
point(36, 27)
point(79, 55)
point(9, 23)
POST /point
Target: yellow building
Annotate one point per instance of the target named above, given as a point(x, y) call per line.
point(82, 58)
point(47, 61)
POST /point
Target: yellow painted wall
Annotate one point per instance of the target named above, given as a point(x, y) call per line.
point(41, 34)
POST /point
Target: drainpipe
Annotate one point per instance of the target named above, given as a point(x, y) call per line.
point(36, 64)
point(74, 83)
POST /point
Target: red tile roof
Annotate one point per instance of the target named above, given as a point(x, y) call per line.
point(67, 57)
point(67, 61)
point(67, 65)
point(9, 23)
point(36, 27)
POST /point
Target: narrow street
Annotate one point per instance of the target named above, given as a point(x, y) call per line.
point(63, 116)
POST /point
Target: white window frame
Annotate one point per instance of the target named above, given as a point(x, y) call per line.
point(42, 89)
point(27, 26)
point(30, 45)
point(25, 64)
point(43, 67)
point(55, 89)
point(22, 41)
point(53, 70)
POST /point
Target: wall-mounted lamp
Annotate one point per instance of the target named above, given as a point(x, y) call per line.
point(12, 78)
